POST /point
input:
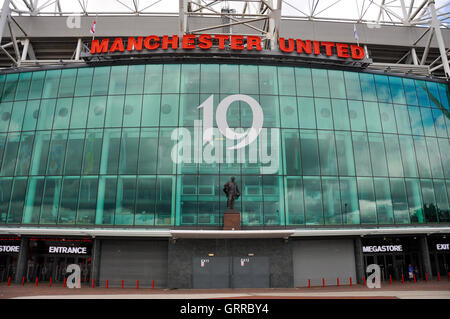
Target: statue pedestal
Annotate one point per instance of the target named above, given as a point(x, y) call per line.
point(232, 220)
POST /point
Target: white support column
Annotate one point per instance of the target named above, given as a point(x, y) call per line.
point(435, 23)
point(78, 50)
point(182, 17)
point(414, 56)
point(4, 18)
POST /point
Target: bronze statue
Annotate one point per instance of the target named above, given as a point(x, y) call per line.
point(231, 189)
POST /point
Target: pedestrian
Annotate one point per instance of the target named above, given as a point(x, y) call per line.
point(410, 272)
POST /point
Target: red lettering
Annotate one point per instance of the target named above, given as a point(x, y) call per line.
point(316, 46)
point(342, 50)
point(302, 46)
point(205, 41)
point(148, 42)
point(291, 45)
point(97, 47)
point(221, 39)
point(117, 45)
point(166, 41)
point(357, 52)
point(135, 45)
point(253, 41)
point(237, 42)
point(188, 41)
point(328, 46)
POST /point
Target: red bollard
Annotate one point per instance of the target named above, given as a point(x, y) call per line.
point(439, 277)
point(64, 284)
point(338, 281)
point(364, 280)
point(403, 279)
point(449, 276)
point(137, 285)
point(122, 284)
point(107, 281)
point(36, 281)
point(153, 285)
point(50, 282)
point(309, 283)
point(323, 282)
point(23, 281)
point(414, 276)
point(426, 277)
point(93, 283)
point(390, 279)
point(9, 281)
point(350, 281)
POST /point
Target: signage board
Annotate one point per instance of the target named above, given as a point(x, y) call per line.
point(382, 249)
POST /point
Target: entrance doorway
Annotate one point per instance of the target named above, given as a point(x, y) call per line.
point(440, 263)
point(8, 264)
point(45, 267)
point(395, 265)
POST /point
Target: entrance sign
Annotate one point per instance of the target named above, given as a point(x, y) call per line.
point(382, 249)
point(9, 249)
point(67, 250)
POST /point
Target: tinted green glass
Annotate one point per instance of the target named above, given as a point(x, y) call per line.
point(132, 111)
point(393, 155)
point(287, 81)
point(377, 154)
point(164, 204)
point(273, 195)
point(349, 200)
point(433, 94)
point(309, 150)
point(40, 153)
point(323, 114)
point(252, 207)
point(17, 114)
point(96, 114)
point(69, 199)
point(383, 201)
point(18, 191)
point(67, 84)
point(84, 81)
point(344, 151)
point(444, 147)
point(5, 115)
point(372, 114)
point(188, 109)
point(331, 201)
point(303, 81)
point(150, 110)
point(5, 190)
point(9, 89)
point(55, 163)
point(10, 154)
point(367, 203)
point(356, 113)
point(23, 86)
point(270, 107)
point(387, 118)
point(50, 202)
point(410, 91)
point(382, 86)
point(337, 84)
point(80, 108)
point(368, 89)
point(327, 153)
point(362, 155)
point(24, 154)
point(320, 83)
point(313, 201)
point(352, 85)
point(135, 79)
point(295, 212)
point(415, 120)
point(148, 148)
point(92, 152)
point(291, 152)
point(153, 78)
point(106, 200)
point(439, 123)
point(37, 83)
point(117, 80)
point(422, 157)
point(51, 84)
point(398, 94)
point(74, 152)
point(114, 111)
point(87, 203)
point(62, 113)
point(402, 117)
point(33, 201)
point(190, 78)
point(443, 209)
point(435, 158)
point(129, 151)
point(208, 199)
point(408, 156)
point(268, 80)
point(306, 112)
point(171, 78)
point(340, 115)
point(145, 201)
point(31, 115)
point(429, 201)
point(288, 110)
point(444, 94)
point(46, 114)
point(100, 81)
point(416, 213)
point(399, 201)
point(422, 94)
point(209, 78)
point(125, 200)
point(427, 121)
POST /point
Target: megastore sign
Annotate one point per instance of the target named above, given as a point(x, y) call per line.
point(237, 43)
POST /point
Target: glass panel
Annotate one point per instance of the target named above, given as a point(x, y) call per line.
point(132, 111)
point(429, 201)
point(408, 156)
point(79, 112)
point(289, 117)
point(402, 117)
point(23, 86)
point(129, 150)
point(110, 151)
point(69, 199)
point(444, 146)
point(372, 116)
point(209, 190)
point(114, 111)
point(51, 84)
point(306, 112)
point(33, 201)
point(45, 118)
point(5, 111)
point(428, 122)
point(67, 85)
point(416, 213)
point(368, 87)
point(422, 94)
point(150, 110)
point(165, 146)
point(164, 200)
point(252, 206)
point(309, 149)
point(362, 156)
point(320, 83)
point(399, 201)
point(92, 152)
point(24, 155)
point(327, 152)
point(439, 123)
point(398, 94)
point(145, 201)
point(292, 160)
point(5, 194)
point(2, 146)
point(17, 200)
point(135, 80)
point(37, 83)
point(269, 105)
point(344, 150)
point(435, 159)
point(393, 156)
point(331, 201)
point(356, 113)
point(148, 151)
point(74, 156)
point(384, 203)
point(169, 110)
point(337, 84)
point(31, 115)
point(190, 78)
point(294, 201)
point(377, 154)
point(125, 200)
point(10, 154)
point(62, 113)
point(416, 120)
point(267, 80)
point(273, 200)
point(422, 156)
point(153, 78)
point(383, 91)
point(50, 201)
point(313, 201)
point(410, 90)
point(188, 109)
point(96, 116)
point(443, 209)
point(56, 153)
point(87, 202)
point(433, 94)
point(209, 78)
point(444, 95)
point(323, 114)
point(367, 202)
point(171, 78)
point(84, 81)
point(9, 89)
point(303, 81)
point(15, 124)
point(100, 80)
point(40, 153)
point(287, 81)
point(340, 115)
point(106, 200)
point(352, 85)
point(188, 199)
point(387, 118)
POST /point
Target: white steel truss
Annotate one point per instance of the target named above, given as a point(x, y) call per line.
point(258, 17)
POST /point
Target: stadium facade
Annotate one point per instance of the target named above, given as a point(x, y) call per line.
point(117, 161)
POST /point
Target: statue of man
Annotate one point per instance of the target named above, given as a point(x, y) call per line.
point(232, 191)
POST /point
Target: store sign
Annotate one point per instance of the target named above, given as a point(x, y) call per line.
point(237, 43)
point(9, 249)
point(382, 249)
point(67, 250)
point(442, 246)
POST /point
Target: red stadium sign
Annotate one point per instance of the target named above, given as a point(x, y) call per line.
point(234, 42)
